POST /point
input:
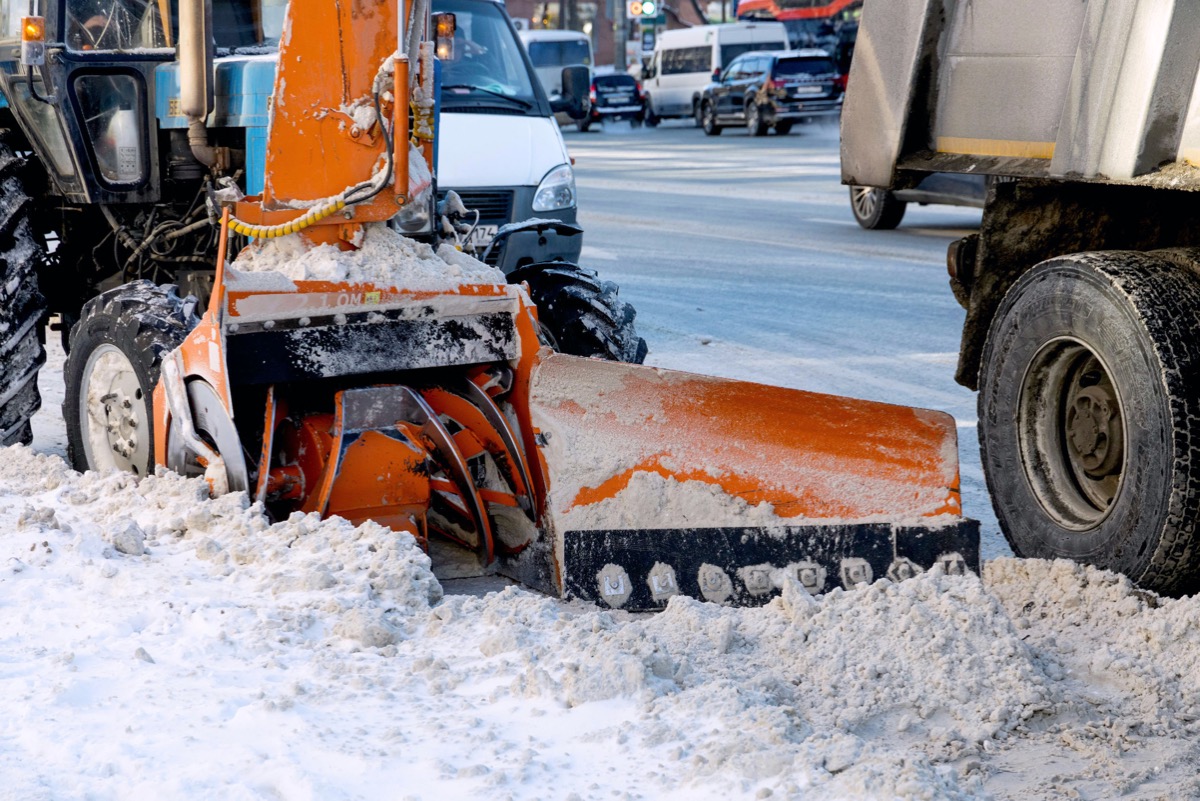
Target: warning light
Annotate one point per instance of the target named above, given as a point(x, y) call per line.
point(33, 41)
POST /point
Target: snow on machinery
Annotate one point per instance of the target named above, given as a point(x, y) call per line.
point(423, 398)
point(1081, 286)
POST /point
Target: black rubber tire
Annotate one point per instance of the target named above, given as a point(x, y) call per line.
point(22, 306)
point(581, 314)
point(583, 125)
point(708, 120)
point(876, 209)
point(754, 121)
point(652, 119)
point(783, 127)
point(635, 122)
point(145, 322)
point(696, 116)
point(1137, 315)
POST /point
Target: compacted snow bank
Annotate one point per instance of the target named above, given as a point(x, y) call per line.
point(160, 644)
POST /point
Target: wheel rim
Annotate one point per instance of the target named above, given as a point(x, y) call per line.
point(866, 201)
point(707, 116)
point(752, 117)
point(112, 413)
point(213, 425)
point(1071, 425)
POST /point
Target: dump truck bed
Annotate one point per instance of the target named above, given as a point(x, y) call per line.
point(1103, 90)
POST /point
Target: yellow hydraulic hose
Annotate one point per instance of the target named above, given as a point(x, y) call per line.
point(312, 216)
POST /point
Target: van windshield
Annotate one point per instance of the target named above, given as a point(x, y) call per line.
point(487, 71)
point(560, 54)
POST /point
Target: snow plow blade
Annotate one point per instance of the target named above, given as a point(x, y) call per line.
point(662, 483)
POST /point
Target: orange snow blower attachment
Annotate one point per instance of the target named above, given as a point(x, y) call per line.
point(421, 398)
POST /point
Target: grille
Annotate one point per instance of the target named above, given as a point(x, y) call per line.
point(494, 206)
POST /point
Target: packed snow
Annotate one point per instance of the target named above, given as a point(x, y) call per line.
point(159, 644)
point(384, 258)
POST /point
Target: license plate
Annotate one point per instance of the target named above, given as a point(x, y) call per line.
point(482, 236)
point(806, 90)
point(618, 99)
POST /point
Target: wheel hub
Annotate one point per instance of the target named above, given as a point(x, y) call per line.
point(112, 415)
point(1072, 434)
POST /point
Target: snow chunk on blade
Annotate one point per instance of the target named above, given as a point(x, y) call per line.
point(384, 258)
point(665, 483)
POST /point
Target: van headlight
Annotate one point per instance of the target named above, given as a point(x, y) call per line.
point(556, 191)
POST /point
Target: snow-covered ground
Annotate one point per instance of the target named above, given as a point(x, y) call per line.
point(160, 645)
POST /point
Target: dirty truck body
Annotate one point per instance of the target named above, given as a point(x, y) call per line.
point(1081, 288)
point(429, 405)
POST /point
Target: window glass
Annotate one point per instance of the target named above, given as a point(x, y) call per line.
point(112, 117)
point(732, 51)
point(617, 83)
point(804, 66)
point(487, 65)
point(560, 54)
point(138, 24)
point(48, 128)
point(687, 59)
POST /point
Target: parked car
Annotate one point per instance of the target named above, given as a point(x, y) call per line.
point(684, 61)
point(614, 97)
point(772, 90)
point(883, 209)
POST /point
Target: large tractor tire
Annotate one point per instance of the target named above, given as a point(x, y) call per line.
point(22, 306)
point(580, 314)
point(1089, 416)
point(117, 349)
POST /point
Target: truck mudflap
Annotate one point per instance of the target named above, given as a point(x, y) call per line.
point(639, 570)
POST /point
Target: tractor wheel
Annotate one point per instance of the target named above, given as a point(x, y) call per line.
point(1089, 416)
point(708, 119)
point(580, 314)
point(876, 209)
point(117, 348)
point(754, 120)
point(22, 307)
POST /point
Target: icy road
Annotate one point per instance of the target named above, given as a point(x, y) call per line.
point(157, 644)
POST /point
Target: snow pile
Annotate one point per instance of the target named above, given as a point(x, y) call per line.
point(384, 258)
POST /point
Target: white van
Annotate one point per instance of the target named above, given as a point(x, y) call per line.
point(499, 146)
point(684, 61)
point(551, 50)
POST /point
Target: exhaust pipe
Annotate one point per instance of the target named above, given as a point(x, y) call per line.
point(196, 75)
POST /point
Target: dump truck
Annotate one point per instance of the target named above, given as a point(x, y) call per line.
point(282, 309)
point(1081, 287)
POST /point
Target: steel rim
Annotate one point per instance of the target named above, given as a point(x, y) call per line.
point(112, 413)
point(752, 117)
point(866, 201)
point(1071, 427)
point(706, 114)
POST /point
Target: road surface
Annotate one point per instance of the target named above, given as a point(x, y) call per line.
point(743, 260)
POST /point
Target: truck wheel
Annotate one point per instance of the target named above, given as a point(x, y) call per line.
point(754, 120)
point(783, 127)
point(1089, 416)
point(117, 348)
point(708, 119)
point(652, 119)
point(22, 307)
point(583, 124)
point(580, 314)
point(876, 209)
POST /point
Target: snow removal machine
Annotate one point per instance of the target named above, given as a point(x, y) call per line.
point(240, 226)
point(1082, 285)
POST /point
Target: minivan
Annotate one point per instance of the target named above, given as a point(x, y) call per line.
point(685, 61)
point(499, 146)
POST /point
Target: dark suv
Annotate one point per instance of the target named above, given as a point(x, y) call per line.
point(771, 89)
point(614, 97)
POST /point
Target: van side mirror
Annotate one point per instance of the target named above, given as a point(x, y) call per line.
point(717, 75)
point(574, 99)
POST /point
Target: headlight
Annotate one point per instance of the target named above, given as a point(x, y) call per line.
point(556, 191)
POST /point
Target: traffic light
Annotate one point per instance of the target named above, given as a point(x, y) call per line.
point(641, 9)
